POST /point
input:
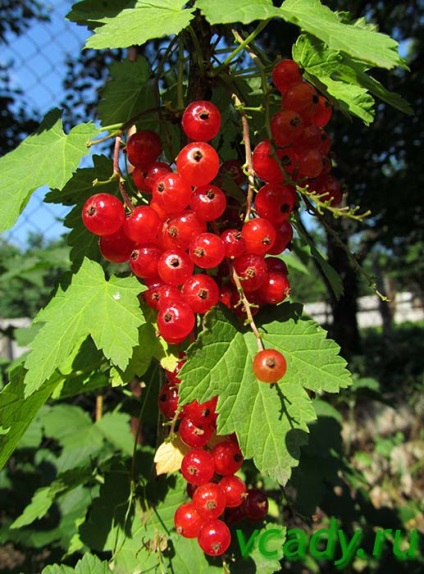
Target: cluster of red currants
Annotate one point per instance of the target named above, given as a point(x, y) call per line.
point(218, 496)
point(300, 150)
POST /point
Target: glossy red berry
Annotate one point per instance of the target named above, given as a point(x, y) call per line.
point(160, 293)
point(171, 192)
point(301, 98)
point(201, 120)
point(103, 214)
point(214, 537)
point(193, 434)
point(235, 490)
point(201, 292)
point(202, 412)
point(209, 500)
point(259, 235)
point(116, 247)
point(208, 202)
point(144, 261)
point(143, 148)
point(207, 250)
point(198, 163)
point(275, 289)
point(142, 224)
point(174, 266)
point(187, 520)
point(269, 366)
point(233, 242)
point(275, 202)
point(198, 466)
point(228, 457)
point(251, 270)
point(176, 321)
point(286, 73)
point(157, 169)
point(181, 229)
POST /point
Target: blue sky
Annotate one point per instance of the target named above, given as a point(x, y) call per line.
point(38, 68)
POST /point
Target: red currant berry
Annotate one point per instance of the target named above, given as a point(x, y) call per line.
point(157, 169)
point(198, 466)
point(275, 202)
point(255, 504)
point(179, 230)
point(201, 412)
point(116, 247)
point(160, 293)
point(171, 192)
point(198, 163)
point(144, 261)
point(176, 321)
point(286, 127)
point(301, 98)
point(206, 250)
point(201, 292)
point(195, 435)
point(143, 148)
point(275, 289)
point(214, 537)
point(228, 457)
point(168, 400)
point(310, 163)
point(323, 113)
point(251, 270)
point(142, 224)
point(209, 500)
point(103, 214)
point(201, 121)
point(234, 243)
point(276, 264)
point(286, 73)
point(139, 178)
point(269, 366)
point(259, 235)
point(235, 490)
point(187, 520)
point(174, 266)
point(265, 163)
point(208, 202)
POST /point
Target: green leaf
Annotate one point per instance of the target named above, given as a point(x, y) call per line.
point(128, 92)
point(17, 411)
point(89, 564)
point(145, 21)
point(270, 420)
point(45, 497)
point(108, 311)
point(48, 157)
point(244, 11)
point(344, 79)
point(357, 40)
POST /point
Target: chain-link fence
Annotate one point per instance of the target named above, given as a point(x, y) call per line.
point(36, 63)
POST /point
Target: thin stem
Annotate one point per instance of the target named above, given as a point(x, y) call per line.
point(247, 307)
point(117, 171)
point(261, 26)
point(248, 153)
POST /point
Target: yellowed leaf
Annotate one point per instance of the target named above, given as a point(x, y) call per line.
point(169, 455)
